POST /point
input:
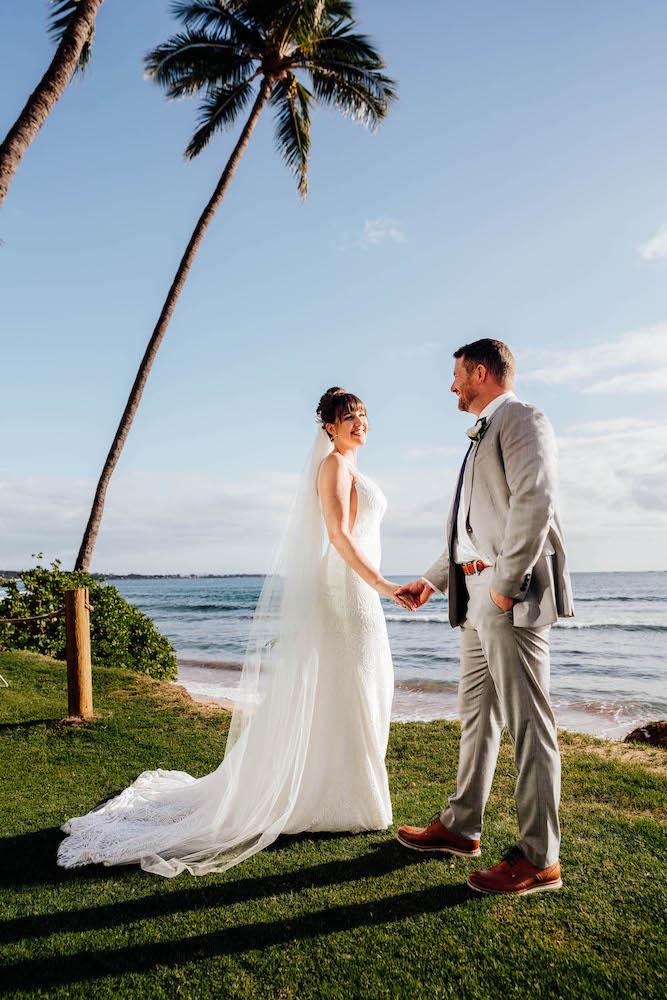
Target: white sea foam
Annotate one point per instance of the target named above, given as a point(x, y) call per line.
point(609, 663)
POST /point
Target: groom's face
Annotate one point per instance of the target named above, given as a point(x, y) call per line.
point(464, 385)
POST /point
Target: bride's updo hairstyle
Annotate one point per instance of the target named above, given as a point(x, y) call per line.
point(337, 403)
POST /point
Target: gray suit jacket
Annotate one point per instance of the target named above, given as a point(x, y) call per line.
point(510, 491)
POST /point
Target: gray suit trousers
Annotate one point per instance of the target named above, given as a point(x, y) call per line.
point(505, 680)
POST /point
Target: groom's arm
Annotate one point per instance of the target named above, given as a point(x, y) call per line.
point(529, 453)
point(435, 578)
point(437, 575)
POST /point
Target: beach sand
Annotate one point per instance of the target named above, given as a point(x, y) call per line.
point(216, 681)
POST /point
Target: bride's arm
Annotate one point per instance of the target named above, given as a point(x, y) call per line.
point(335, 483)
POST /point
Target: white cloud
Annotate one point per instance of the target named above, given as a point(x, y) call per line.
point(634, 362)
point(614, 425)
point(154, 522)
point(613, 483)
point(424, 350)
point(655, 248)
point(631, 383)
point(377, 231)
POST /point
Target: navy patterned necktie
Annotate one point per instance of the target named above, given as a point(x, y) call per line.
point(457, 500)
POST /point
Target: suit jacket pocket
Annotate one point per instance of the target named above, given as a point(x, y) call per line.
point(539, 607)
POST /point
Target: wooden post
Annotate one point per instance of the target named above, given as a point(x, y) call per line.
point(79, 672)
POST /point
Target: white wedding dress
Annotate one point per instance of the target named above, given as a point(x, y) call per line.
point(344, 784)
point(308, 754)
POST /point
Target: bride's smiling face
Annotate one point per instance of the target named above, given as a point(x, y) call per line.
point(350, 430)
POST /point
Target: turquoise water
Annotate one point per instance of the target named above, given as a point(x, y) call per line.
point(609, 663)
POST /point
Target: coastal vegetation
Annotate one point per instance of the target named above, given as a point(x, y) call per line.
point(323, 916)
point(121, 635)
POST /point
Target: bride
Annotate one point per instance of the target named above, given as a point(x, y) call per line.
point(309, 731)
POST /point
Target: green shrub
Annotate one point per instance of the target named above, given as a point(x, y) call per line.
point(120, 634)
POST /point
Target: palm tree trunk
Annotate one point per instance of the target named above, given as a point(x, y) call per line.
point(41, 102)
point(84, 557)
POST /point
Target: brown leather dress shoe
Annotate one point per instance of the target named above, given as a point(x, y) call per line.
point(436, 837)
point(516, 876)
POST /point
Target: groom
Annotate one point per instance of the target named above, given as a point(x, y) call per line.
point(505, 572)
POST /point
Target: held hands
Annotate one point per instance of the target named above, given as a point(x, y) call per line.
point(419, 591)
point(392, 591)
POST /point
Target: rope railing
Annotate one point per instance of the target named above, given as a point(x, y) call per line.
point(77, 653)
point(32, 618)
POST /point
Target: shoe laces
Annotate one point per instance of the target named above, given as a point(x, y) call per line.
point(513, 855)
point(434, 817)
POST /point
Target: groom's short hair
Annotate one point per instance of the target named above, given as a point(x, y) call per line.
point(493, 354)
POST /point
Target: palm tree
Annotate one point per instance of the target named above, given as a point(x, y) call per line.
point(234, 52)
point(71, 24)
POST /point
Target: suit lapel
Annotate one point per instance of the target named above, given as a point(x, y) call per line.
point(469, 477)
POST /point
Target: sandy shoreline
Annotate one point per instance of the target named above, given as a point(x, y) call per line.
point(214, 683)
point(209, 664)
point(570, 740)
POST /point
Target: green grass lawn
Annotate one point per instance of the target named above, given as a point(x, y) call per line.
point(321, 916)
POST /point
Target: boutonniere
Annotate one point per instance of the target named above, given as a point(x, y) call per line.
point(477, 432)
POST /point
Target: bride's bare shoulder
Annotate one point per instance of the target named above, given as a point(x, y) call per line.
point(333, 471)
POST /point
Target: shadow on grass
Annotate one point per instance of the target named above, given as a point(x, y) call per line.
point(382, 859)
point(87, 965)
point(30, 859)
point(27, 723)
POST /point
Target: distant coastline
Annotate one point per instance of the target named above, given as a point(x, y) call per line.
point(12, 574)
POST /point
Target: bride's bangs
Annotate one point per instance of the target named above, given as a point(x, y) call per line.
point(348, 403)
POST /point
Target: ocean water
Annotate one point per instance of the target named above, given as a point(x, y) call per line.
point(608, 665)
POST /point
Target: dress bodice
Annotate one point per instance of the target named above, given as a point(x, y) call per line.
point(371, 507)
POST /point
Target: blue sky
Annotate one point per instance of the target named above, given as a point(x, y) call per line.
point(518, 189)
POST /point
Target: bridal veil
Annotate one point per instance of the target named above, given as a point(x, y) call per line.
point(168, 821)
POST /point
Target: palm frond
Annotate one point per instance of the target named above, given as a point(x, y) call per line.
point(364, 97)
point(344, 46)
point(263, 13)
point(227, 44)
point(59, 19)
point(345, 67)
point(340, 10)
point(191, 61)
point(218, 111)
point(292, 102)
point(281, 21)
point(225, 18)
point(376, 83)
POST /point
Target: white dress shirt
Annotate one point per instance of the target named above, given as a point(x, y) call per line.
point(464, 550)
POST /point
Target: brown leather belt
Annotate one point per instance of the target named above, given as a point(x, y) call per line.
point(470, 568)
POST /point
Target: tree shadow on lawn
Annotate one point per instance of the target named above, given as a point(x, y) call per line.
point(383, 858)
point(87, 965)
point(27, 723)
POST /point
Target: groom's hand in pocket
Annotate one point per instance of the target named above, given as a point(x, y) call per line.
point(502, 602)
point(419, 590)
